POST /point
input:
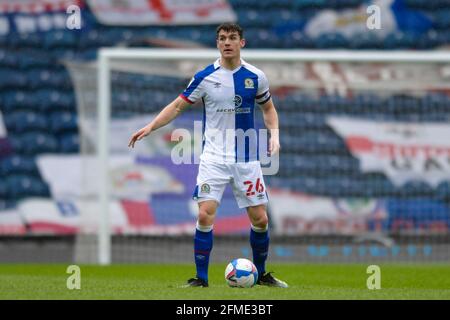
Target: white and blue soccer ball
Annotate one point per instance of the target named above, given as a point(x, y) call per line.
point(241, 273)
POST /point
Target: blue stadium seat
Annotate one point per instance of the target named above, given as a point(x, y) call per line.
point(12, 79)
point(436, 102)
point(17, 100)
point(427, 5)
point(304, 120)
point(416, 189)
point(443, 191)
point(48, 79)
point(23, 121)
point(8, 59)
point(33, 143)
point(237, 4)
point(21, 186)
point(431, 39)
point(301, 102)
point(295, 39)
point(26, 40)
point(331, 41)
point(366, 40)
point(3, 190)
point(340, 4)
point(420, 212)
point(319, 164)
point(54, 100)
point(308, 4)
point(313, 142)
point(6, 147)
point(60, 39)
point(29, 58)
point(442, 19)
point(97, 38)
point(69, 143)
point(18, 165)
point(63, 121)
point(399, 40)
point(5, 41)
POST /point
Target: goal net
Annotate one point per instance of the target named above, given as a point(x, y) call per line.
point(363, 172)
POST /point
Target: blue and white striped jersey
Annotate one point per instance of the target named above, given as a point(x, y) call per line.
point(228, 98)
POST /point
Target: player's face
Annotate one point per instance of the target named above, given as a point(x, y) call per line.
point(229, 44)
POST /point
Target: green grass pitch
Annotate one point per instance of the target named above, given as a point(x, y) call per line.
point(163, 282)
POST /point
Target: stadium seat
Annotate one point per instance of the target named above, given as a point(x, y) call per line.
point(94, 38)
point(23, 121)
point(331, 41)
point(296, 39)
point(63, 121)
point(3, 190)
point(400, 40)
point(29, 58)
point(32, 143)
point(60, 39)
point(54, 100)
point(12, 79)
point(48, 79)
point(416, 189)
point(427, 5)
point(21, 186)
point(442, 19)
point(443, 191)
point(26, 40)
point(8, 59)
point(69, 143)
point(17, 164)
point(302, 121)
point(366, 40)
point(17, 100)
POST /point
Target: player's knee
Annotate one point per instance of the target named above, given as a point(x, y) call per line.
point(205, 217)
point(261, 222)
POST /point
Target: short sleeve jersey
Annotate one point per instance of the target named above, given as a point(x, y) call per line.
point(229, 98)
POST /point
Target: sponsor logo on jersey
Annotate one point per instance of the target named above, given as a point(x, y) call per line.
point(234, 110)
point(249, 83)
point(242, 110)
point(237, 101)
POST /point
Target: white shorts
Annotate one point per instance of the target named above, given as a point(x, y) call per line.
point(246, 178)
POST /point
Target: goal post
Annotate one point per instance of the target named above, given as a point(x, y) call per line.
point(342, 83)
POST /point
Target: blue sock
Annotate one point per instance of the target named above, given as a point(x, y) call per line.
point(203, 242)
point(259, 242)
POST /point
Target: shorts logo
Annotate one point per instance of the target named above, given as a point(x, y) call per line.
point(260, 196)
point(249, 83)
point(237, 101)
point(205, 188)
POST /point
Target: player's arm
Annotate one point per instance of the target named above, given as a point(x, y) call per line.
point(270, 116)
point(170, 112)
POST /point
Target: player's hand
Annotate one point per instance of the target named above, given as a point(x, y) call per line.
point(274, 146)
point(138, 135)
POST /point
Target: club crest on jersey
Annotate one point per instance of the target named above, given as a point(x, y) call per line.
point(237, 101)
point(205, 188)
point(249, 83)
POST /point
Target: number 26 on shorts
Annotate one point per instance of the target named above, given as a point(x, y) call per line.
point(252, 187)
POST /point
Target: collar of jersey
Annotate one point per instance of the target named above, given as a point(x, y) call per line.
point(217, 65)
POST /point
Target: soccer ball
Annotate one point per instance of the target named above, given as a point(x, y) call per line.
point(241, 273)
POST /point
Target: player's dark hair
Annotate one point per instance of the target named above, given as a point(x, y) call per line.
point(230, 27)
